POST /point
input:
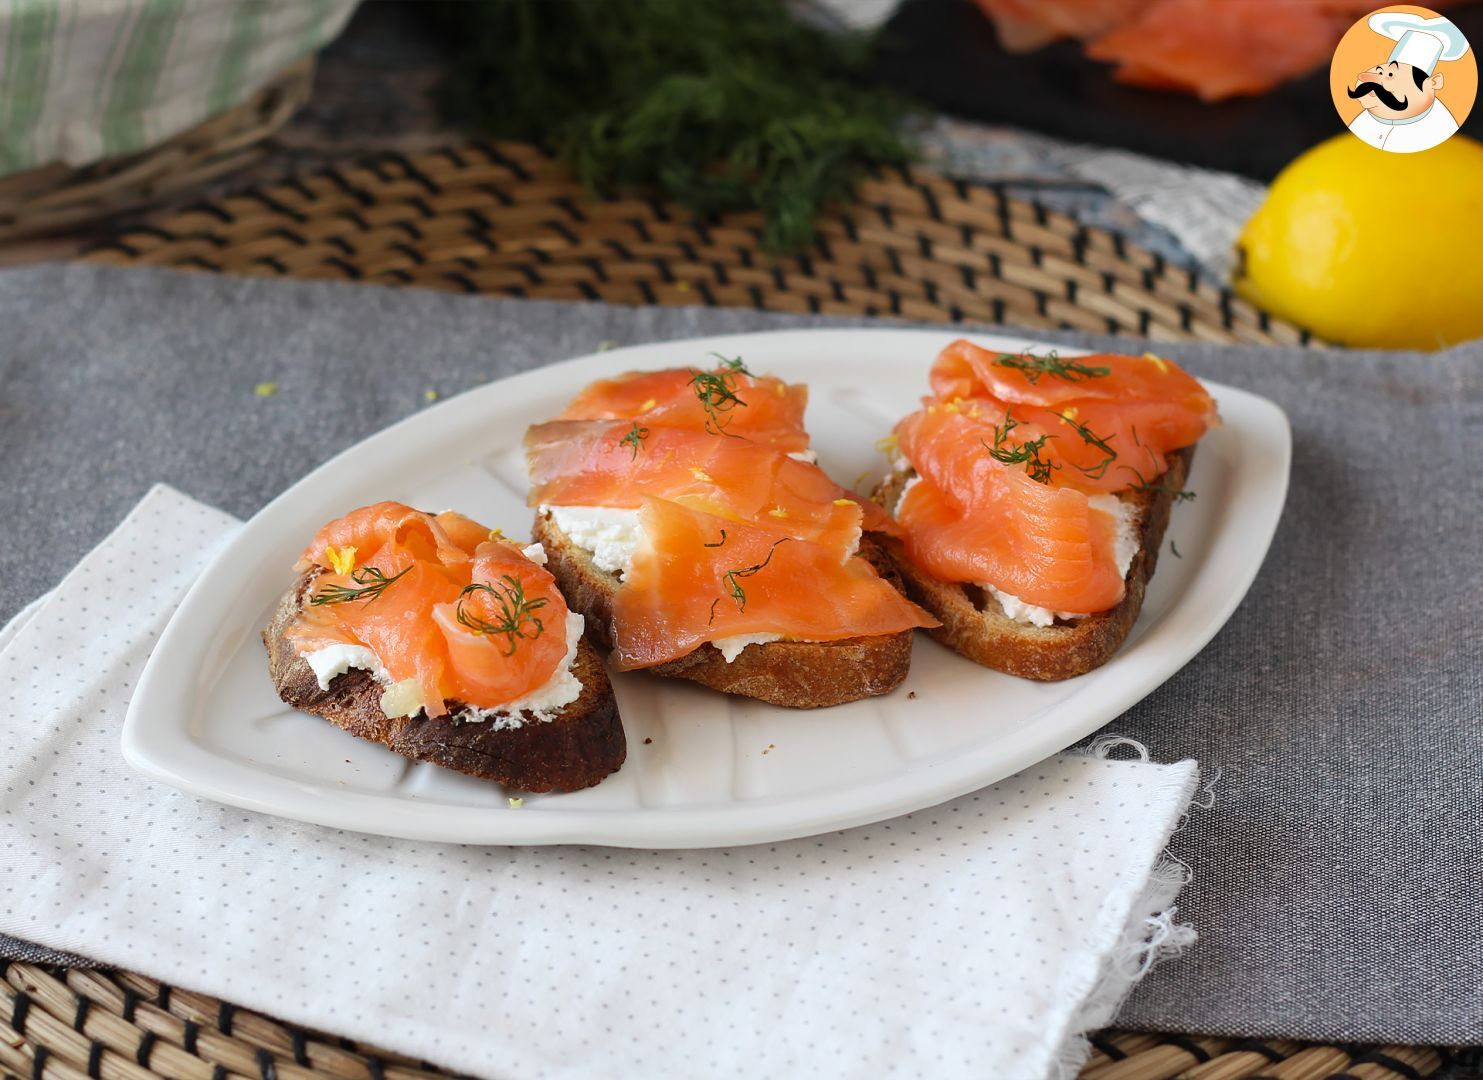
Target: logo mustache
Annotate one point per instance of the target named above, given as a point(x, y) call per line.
point(1389, 100)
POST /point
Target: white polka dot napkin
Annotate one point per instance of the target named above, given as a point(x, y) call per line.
point(979, 938)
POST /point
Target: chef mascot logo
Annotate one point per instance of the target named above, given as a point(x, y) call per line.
point(1403, 79)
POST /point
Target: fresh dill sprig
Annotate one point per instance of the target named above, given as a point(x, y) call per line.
point(634, 440)
point(372, 584)
point(719, 542)
point(1099, 470)
point(717, 393)
point(515, 611)
point(733, 582)
point(727, 105)
point(736, 365)
point(1051, 364)
point(1026, 453)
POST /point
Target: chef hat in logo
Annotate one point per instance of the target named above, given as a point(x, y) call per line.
point(1419, 41)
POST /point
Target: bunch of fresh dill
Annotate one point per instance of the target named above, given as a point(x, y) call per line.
point(722, 104)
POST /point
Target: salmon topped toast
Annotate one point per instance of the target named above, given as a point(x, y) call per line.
point(447, 643)
point(684, 515)
point(1031, 494)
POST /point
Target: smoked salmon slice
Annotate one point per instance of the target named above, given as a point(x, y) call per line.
point(589, 463)
point(438, 601)
point(724, 400)
point(699, 578)
point(1018, 459)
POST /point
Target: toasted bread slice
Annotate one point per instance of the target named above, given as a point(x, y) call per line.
point(579, 746)
point(795, 674)
point(974, 624)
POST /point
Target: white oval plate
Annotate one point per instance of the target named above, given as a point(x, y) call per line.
point(703, 769)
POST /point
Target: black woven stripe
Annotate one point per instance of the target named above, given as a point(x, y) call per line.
point(300, 1047)
point(462, 279)
point(412, 171)
point(272, 261)
point(587, 291)
point(1040, 299)
point(38, 1063)
point(757, 301)
point(687, 249)
point(95, 1058)
point(457, 160)
point(1193, 277)
point(895, 298)
point(824, 249)
point(998, 309)
point(719, 269)
point(813, 304)
point(1256, 1046)
point(563, 230)
point(1109, 282)
point(191, 1031)
point(1158, 264)
point(647, 292)
point(411, 252)
point(218, 1072)
point(221, 213)
point(224, 1017)
point(1119, 246)
point(1003, 209)
point(267, 1068)
point(805, 264)
point(131, 1003)
point(1377, 1057)
point(659, 209)
point(500, 195)
point(1036, 255)
point(1147, 276)
point(593, 263)
point(80, 1017)
point(480, 220)
point(887, 218)
point(996, 265)
point(146, 1048)
point(378, 166)
point(930, 198)
point(703, 230)
point(641, 227)
point(516, 290)
point(204, 264)
point(341, 181)
point(1304, 336)
point(1145, 320)
point(869, 272)
point(965, 235)
point(1112, 324)
point(377, 1068)
point(410, 228)
point(572, 209)
point(274, 205)
point(116, 243)
point(836, 287)
point(1263, 320)
point(1189, 1046)
point(1079, 245)
point(1186, 317)
point(341, 243)
point(1071, 291)
point(1227, 316)
point(500, 159)
point(355, 218)
point(706, 294)
point(848, 221)
point(930, 288)
point(19, 1011)
point(351, 270)
point(924, 245)
point(420, 204)
point(894, 258)
point(665, 273)
point(1041, 216)
point(955, 313)
point(779, 282)
point(745, 255)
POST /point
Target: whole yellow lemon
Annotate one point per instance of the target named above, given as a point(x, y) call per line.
point(1369, 248)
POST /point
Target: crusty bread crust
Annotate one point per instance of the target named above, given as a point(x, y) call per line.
point(579, 746)
point(794, 674)
point(974, 624)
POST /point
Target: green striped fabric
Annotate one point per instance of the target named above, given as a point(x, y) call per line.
point(83, 80)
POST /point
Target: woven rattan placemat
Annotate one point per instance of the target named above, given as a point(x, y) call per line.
point(508, 220)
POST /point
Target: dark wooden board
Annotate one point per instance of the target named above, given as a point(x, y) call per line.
point(946, 54)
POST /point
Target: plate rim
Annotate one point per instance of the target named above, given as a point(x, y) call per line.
point(179, 762)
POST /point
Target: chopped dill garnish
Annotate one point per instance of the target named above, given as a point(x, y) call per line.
point(516, 612)
point(735, 365)
point(372, 584)
point(733, 582)
point(712, 620)
point(719, 542)
point(1096, 472)
point(1026, 453)
point(1174, 549)
point(1051, 364)
point(634, 440)
point(717, 393)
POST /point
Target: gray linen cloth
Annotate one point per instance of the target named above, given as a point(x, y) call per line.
point(1338, 884)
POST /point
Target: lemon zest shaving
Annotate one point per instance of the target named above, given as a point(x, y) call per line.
point(429, 395)
point(1070, 414)
point(1159, 360)
point(265, 389)
point(682, 286)
point(342, 560)
point(499, 534)
point(646, 406)
point(886, 444)
point(844, 502)
point(778, 512)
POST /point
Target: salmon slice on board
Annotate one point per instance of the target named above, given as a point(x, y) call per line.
point(691, 584)
point(1218, 49)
